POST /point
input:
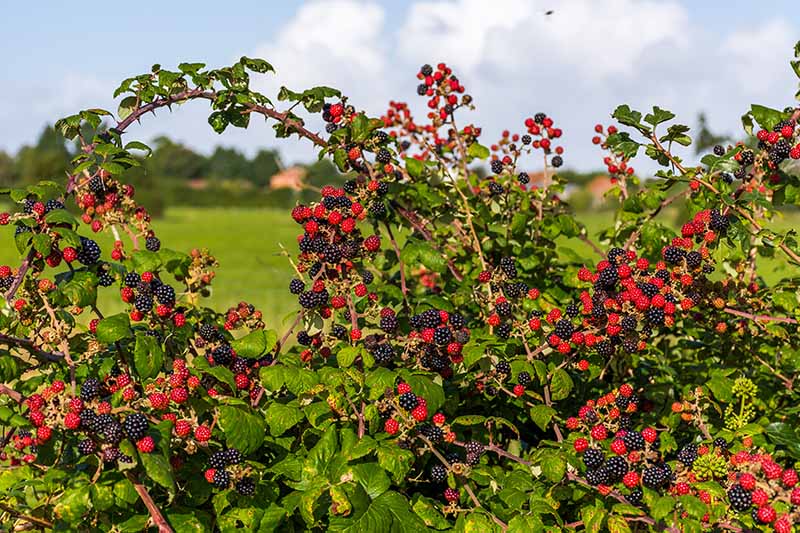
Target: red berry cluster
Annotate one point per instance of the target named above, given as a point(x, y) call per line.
point(106, 201)
point(616, 163)
point(437, 340)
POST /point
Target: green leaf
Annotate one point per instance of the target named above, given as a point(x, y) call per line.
point(415, 167)
point(395, 460)
point(60, 216)
point(785, 435)
point(373, 478)
point(389, 512)
point(542, 415)
point(157, 468)
point(593, 517)
point(148, 357)
point(251, 346)
point(281, 417)
point(553, 466)
point(360, 128)
point(347, 356)
point(478, 151)
point(662, 506)
point(113, 328)
point(618, 524)
point(243, 429)
point(766, 117)
point(658, 116)
point(625, 115)
point(560, 385)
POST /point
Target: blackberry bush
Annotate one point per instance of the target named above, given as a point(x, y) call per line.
point(450, 365)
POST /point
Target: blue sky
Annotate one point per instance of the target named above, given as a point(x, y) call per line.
point(576, 64)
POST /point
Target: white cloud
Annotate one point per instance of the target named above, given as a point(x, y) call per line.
point(760, 55)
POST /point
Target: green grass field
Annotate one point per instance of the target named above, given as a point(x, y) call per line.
point(247, 244)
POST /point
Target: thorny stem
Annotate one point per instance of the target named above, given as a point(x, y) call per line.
point(30, 347)
point(155, 513)
point(41, 522)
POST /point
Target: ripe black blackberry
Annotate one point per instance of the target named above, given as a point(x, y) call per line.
point(408, 401)
point(508, 267)
point(339, 331)
point(630, 345)
point(526, 139)
point(503, 309)
point(457, 320)
point(740, 498)
point(604, 348)
point(89, 420)
point(382, 189)
point(655, 316)
point(524, 379)
point(597, 476)
point(557, 161)
point(113, 433)
point(240, 365)
point(96, 185)
point(474, 447)
point(655, 476)
point(616, 467)
point(694, 259)
point(350, 186)
point(431, 318)
point(635, 497)
point(87, 447)
point(503, 368)
point(388, 323)
point(673, 255)
point(52, 205)
point(208, 332)
point(719, 150)
point(222, 479)
point(593, 458)
point(111, 454)
point(90, 389)
point(143, 302)
point(89, 252)
point(153, 244)
point(426, 70)
point(330, 127)
point(747, 158)
point(663, 275)
point(383, 156)
point(222, 354)
point(572, 311)
point(381, 136)
point(246, 486)
point(377, 209)
point(105, 279)
point(633, 440)
point(472, 459)
point(625, 422)
point(135, 426)
point(165, 294)
point(688, 454)
point(781, 149)
point(719, 222)
point(564, 329)
point(233, 456)
point(628, 323)
point(303, 338)
point(217, 460)
point(438, 473)
point(497, 166)
point(384, 354)
point(539, 118)
point(524, 178)
point(307, 300)
point(503, 331)
point(607, 279)
point(434, 433)
point(721, 443)
point(495, 189)
point(622, 402)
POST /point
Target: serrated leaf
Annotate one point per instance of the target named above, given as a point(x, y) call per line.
point(157, 468)
point(148, 356)
point(113, 328)
point(242, 428)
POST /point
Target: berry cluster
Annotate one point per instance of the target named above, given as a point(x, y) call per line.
point(613, 452)
point(105, 202)
point(437, 339)
point(226, 469)
point(151, 299)
point(219, 352)
point(617, 164)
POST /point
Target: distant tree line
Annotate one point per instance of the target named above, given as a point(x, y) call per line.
point(175, 174)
